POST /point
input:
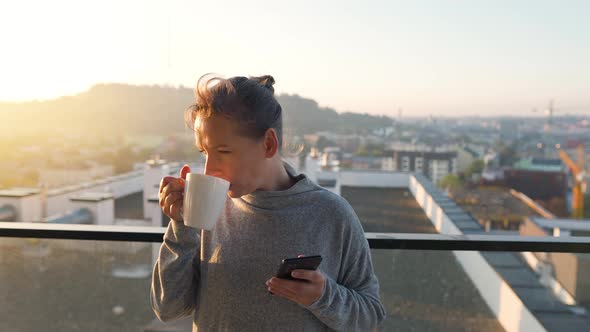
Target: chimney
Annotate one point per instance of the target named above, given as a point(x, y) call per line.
point(24, 202)
point(101, 205)
point(154, 171)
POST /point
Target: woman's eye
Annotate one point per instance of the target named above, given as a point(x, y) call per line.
point(225, 152)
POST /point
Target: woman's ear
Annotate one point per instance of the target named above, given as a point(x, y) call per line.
point(271, 143)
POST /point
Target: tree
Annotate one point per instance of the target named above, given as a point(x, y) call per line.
point(323, 142)
point(506, 153)
point(370, 150)
point(450, 181)
point(476, 167)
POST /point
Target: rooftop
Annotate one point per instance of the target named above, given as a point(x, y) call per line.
point(18, 192)
point(65, 285)
point(422, 290)
point(418, 288)
point(92, 197)
point(540, 164)
point(491, 203)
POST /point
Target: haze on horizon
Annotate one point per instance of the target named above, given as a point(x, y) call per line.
point(426, 57)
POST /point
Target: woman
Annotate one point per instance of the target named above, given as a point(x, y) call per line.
point(271, 213)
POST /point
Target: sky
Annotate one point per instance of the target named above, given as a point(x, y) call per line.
point(437, 57)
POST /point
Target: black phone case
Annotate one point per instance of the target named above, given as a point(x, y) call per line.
point(302, 263)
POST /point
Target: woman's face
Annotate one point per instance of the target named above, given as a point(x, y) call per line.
point(237, 159)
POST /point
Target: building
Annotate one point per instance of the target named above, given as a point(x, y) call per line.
point(434, 162)
point(538, 178)
point(568, 271)
point(493, 207)
point(367, 163)
point(466, 155)
point(421, 290)
point(331, 157)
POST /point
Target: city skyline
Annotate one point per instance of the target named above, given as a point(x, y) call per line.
point(427, 58)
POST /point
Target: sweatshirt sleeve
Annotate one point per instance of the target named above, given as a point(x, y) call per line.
point(352, 303)
point(176, 276)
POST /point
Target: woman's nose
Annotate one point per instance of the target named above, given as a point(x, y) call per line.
point(212, 169)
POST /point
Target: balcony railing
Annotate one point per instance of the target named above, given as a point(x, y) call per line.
point(405, 241)
point(94, 283)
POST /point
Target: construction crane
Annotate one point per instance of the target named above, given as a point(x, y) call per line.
point(578, 173)
point(547, 128)
point(547, 139)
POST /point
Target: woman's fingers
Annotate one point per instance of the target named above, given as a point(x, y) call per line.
point(175, 211)
point(173, 198)
point(289, 286)
point(282, 293)
point(173, 186)
point(171, 194)
point(309, 275)
point(301, 291)
point(164, 182)
point(278, 287)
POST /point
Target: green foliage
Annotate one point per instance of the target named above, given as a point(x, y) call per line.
point(507, 154)
point(323, 142)
point(370, 150)
point(450, 181)
point(476, 167)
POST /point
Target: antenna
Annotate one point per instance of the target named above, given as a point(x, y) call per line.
point(549, 124)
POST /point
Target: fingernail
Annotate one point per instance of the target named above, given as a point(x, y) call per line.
point(294, 274)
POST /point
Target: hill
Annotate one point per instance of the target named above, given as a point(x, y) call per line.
point(121, 109)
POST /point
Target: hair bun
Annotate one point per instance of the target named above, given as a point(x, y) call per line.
point(266, 80)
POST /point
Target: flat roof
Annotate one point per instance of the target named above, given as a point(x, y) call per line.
point(421, 290)
point(429, 299)
point(19, 192)
point(565, 224)
point(92, 197)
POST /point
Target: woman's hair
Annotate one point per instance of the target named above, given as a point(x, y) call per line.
point(249, 101)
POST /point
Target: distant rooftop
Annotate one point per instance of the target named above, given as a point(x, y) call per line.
point(92, 196)
point(18, 192)
point(540, 164)
point(490, 202)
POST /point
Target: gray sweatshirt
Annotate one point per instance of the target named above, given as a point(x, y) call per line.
point(225, 288)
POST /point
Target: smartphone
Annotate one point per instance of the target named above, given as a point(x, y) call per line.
point(300, 263)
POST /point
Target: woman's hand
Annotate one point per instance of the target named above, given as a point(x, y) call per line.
point(172, 194)
point(304, 292)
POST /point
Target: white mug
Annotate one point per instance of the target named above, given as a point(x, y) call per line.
point(204, 199)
